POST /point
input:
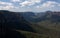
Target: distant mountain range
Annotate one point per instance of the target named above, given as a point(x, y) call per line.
point(37, 17)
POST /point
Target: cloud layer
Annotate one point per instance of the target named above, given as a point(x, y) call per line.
point(15, 0)
point(49, 4)
point(34, 5)
point(30, 2)
point(6, 5)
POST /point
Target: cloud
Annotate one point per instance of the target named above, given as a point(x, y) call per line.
point(30, 2)
point(36, 1)
point(6, 6)
point(26, 3)
point(58, 4)
point(48, 4)
point(16, 0)
point(5, 3)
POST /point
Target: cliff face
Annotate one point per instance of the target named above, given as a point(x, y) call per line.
point(53, 13)
point(13, 20)
point(54, 16)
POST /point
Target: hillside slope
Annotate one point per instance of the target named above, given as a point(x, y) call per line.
point(32, 34)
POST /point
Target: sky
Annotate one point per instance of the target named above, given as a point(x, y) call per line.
point(30, 5)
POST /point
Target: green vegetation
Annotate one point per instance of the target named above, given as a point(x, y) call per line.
point(50, 25)
point(33, 35)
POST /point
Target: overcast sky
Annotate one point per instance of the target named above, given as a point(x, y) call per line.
point(30, 5)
